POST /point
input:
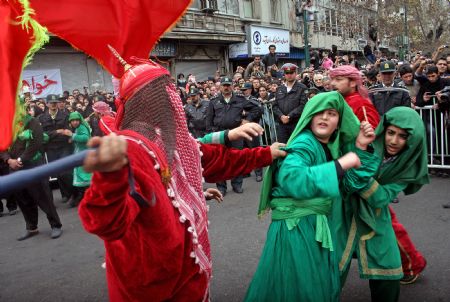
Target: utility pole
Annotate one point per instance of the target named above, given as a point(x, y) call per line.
point(406, 44)
point(305, 33)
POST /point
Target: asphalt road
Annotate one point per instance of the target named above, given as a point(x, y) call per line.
point(69, 268)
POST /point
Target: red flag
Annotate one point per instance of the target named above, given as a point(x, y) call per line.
point(132, 27)
point(15, 43)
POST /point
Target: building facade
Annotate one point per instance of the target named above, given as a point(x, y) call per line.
point(215, 36)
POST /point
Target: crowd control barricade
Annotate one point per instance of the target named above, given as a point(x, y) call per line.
point(438, 131)
point(269, 124)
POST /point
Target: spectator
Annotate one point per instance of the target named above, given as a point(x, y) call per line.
point(80, 134)
point(196, 113)
point(327, 63)
point(430, 84)
point(250, 68)
point(270, 60)
point(407, 75)
point(389, 98)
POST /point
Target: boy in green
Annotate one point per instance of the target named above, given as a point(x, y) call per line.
point(401, 143)
point(80, 136)
point(298, 262)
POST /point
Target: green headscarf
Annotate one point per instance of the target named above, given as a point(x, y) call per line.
point(347, 131)
point(410, 166)
point(77, 116)
point(348, 127)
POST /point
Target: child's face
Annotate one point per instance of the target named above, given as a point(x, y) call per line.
point(324, 124)
point(395, 140)
point(75, 123)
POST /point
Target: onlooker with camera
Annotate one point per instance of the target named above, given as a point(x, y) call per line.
point(429, 84)
point(250, 67)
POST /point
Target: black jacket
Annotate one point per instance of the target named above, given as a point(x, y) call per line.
point(386, 100)
point(290, 103)
point(432, 88)
point(50, 126)
point(25, 151)
point(223, 116)
point(196, 118)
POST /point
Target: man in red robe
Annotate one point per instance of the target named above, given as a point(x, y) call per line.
point(348, 81)
point(146, 199)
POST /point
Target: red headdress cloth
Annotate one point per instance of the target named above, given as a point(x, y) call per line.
point(353, 74)
point(146, 94)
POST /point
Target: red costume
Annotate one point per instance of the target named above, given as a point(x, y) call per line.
point(153, 221)
point(359, 104)
point(413, 261)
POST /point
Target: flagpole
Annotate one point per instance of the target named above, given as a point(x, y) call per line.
point(22, 178)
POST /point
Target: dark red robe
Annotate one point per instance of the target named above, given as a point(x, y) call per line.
point(148, 249)
point(357, 102)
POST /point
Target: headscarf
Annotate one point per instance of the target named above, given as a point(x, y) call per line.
point(102, 108)
point(348, 127)
point(411, 165)
point(77, 116)
point(353, 74)
point(347, 131)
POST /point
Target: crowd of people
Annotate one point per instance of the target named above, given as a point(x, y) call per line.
point(352, 124)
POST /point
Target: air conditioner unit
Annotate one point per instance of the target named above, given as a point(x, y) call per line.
point(208, 6)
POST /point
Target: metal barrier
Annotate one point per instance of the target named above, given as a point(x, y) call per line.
point(437, 137)
point(269, 124)
point(438, 133)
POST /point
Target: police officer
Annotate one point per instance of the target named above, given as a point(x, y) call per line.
point(290, 99)
point(196, 112)
point(391, 97)
point(247, 89)
point(54, 123)
point(26, 153)
point(225, 112)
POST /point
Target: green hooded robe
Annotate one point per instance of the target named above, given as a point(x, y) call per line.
point(80, 136)
point(298, 262)
point(370, 231)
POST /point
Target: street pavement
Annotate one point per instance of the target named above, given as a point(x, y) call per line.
point(69, 268)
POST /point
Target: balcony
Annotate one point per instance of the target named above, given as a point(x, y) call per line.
point(198, 25)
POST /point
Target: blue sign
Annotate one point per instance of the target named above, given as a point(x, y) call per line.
point(257, 37)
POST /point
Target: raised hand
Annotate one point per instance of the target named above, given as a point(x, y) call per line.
point(110, 155)
point(366, 135)
point(246, 131)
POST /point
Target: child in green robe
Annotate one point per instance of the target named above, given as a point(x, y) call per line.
point(298, 262)
point(401, 143)
point(80, 135)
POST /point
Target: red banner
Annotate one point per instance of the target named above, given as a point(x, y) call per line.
point(14, 45)
point(132, 27)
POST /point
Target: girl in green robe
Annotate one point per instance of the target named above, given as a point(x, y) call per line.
point(80, 136)
point(401, 143)
point(298, 262)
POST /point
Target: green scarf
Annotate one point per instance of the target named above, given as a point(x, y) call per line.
point(77, 116)
point(348, 129)
point(410, 166)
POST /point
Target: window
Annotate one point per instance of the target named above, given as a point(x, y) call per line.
point(210, 5)
point(230, 7)
point(274, 10)
point(248, 8)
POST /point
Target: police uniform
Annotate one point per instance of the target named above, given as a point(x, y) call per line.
point(225, 115)
point(196, 115)
point(58, 145)
point(255, 142)
point(386, 100)
point(289, 103)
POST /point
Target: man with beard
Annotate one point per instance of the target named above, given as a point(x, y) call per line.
point(290, 99)
point(226, 112)
point(348, 81)
point(146, 198)
point(196, 113)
